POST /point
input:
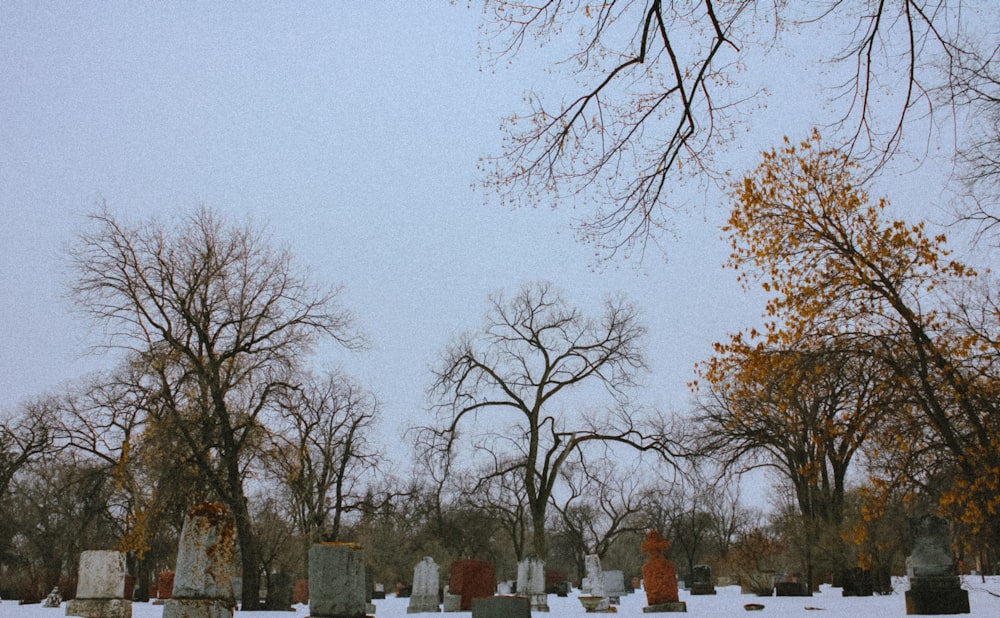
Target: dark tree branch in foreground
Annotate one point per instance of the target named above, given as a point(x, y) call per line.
point(658, 94)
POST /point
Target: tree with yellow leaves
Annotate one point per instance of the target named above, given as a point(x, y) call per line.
point(843, 275)
point(805, 413)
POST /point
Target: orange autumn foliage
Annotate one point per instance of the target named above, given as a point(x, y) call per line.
point(841, 274)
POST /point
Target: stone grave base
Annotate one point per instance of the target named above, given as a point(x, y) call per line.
point(99, 608)
point(679, 606)
point(697, 589)
point(919, 602)
point(452, 602)
point(539, 602)
point(501, 607)
point(197, 608)
point(422, 603)
point(792, 589)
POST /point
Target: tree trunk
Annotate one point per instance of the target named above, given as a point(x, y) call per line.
point(538, 545)
point(250, 562)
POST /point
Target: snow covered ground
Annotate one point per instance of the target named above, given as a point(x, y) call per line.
point(728, 602)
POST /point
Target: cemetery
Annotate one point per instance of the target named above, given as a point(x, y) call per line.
point(500, 308)
point(341, 586)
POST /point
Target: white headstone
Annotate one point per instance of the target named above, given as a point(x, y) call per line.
point(596, 578)
point(102, 575)
point(100, 588)
point(424, 597)
point(531, 583)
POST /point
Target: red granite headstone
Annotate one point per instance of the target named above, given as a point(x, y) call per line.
point(165, 585)
point(658, 573)
point(300, 592)
point(472, 579)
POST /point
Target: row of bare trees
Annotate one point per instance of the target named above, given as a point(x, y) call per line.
point(211, 401)
point(212, 392)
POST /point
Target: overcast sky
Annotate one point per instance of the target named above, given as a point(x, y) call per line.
point(352, 131)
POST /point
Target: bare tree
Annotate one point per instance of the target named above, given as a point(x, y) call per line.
point(500, 389)
point(602, 501)
point(324, 455)
point(502, 497)
point(110, 418)
point(221, 320)
point(977, 87)
point(24, 437)
point(659, 93)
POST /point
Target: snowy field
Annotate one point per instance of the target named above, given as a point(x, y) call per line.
point(728, 602)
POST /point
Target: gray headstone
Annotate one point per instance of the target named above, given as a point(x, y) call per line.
point(501, 607)
point(701, 580)
point(931, 555)
point(452, 602)
point(337, 586)
point(614, 586)
point(426, 581)
point(531, 583)
point(935, 588)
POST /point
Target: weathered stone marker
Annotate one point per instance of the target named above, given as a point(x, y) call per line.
point(659, 577)
point(531, 583)
point(426, 580)
point(103, 587)
point(337, 587)
point(701, 580)
point(501, 607)
point(452, 602)
point(934, 586)
point(203, 579)
point(614, 586)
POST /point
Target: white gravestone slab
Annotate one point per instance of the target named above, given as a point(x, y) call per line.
point(531, 583)
point(596, 578)
point(426, 580)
